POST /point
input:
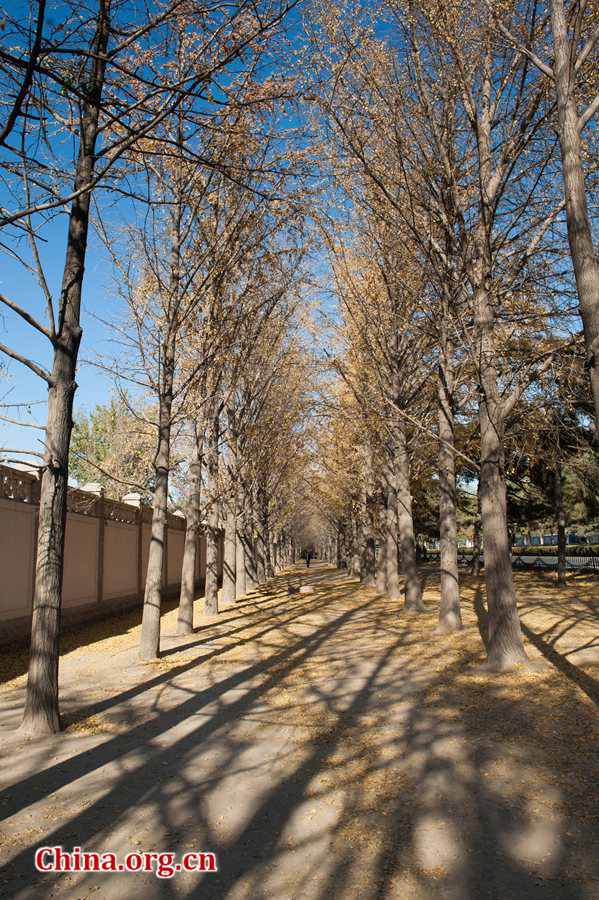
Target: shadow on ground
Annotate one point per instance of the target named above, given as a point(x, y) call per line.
point(325, 746)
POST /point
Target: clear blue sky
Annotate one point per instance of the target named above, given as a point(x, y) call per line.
point(20, 384)
point(17, 383)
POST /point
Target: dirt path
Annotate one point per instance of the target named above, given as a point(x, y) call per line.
point(323, 746)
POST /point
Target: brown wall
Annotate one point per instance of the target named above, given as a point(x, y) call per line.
point(106, 555)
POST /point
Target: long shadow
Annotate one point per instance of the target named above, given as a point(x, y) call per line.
point(36, 787)
point(218, 635)
point(258, 842)
point(482, 829)
point(116, 699)
point(80, 634)
point(586, 683)
point(129, 694)
point(458, 834)
point(143, 783)
point(434, 777)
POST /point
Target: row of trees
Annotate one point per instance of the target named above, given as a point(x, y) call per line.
point(463, 260)
point(162, 128)
point(458, 148)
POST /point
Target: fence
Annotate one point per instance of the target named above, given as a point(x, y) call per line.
point(106, 554)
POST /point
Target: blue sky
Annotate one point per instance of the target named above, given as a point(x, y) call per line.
point(100, 297)
point(18, 384)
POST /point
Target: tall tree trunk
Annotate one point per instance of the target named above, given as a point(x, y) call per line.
point(407, 542)
point(157, 561)
point(477, 540)
point(560, 518)
point(150, 623)
point(251, 559)
point(392, 552)
point(580, 237)
point(241, 588)
point(265, 531)
point(249, 543)
point(450, 617)
point(339, 547)
point(230, 555)
point(41, 714)
point(505, 646)
point(368, 548)
point(188, 567)
point(356, 541)
point(240, 566)
point(381, 559)
point(211, 591)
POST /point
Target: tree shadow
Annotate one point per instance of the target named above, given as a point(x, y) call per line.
point(359, 760)
point(582, 679)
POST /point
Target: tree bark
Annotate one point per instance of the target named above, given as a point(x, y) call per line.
point(368, 546)
point(407, 542)
point(392, 553)
point(211, 590)
point(251, 567)
point(41, 715)
point(356, 540)
point(339, 547)
point(505, 647)
point(264, 532)
point(580, 236)
point(560, 518)
point(230, 556)
point(188, 567)
point(150, 624)
point(450, 617)
point(240, 554)
point(381, 560)
point(240, 567)
point(477, 540)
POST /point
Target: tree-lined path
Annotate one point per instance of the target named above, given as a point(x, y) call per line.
point(323, 745)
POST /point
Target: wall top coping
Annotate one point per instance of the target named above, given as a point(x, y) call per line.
point(24, 487)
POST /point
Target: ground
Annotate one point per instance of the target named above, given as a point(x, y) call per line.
point(324, 746)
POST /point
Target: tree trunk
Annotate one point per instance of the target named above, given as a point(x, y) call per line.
point(188, 568)
point(230, 556)
point(560, 518)
point(240, 555)
point(477, 542)
point(265, 532)
point(392, 552)
point(211, 590)
point(240, 567)
point(580, 237)
point(356, 536)
point(41, 714)
point(450, 617)
point(368, 547)
point(407, 542)
point(505, 647)
point(157, 561)
point(150, 623)
point(251, 567)
point(339, 547)
point(381, 560)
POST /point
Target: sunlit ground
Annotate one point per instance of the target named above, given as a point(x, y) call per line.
point(324, 746)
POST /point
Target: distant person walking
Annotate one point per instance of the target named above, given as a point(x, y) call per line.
point(308, 557)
